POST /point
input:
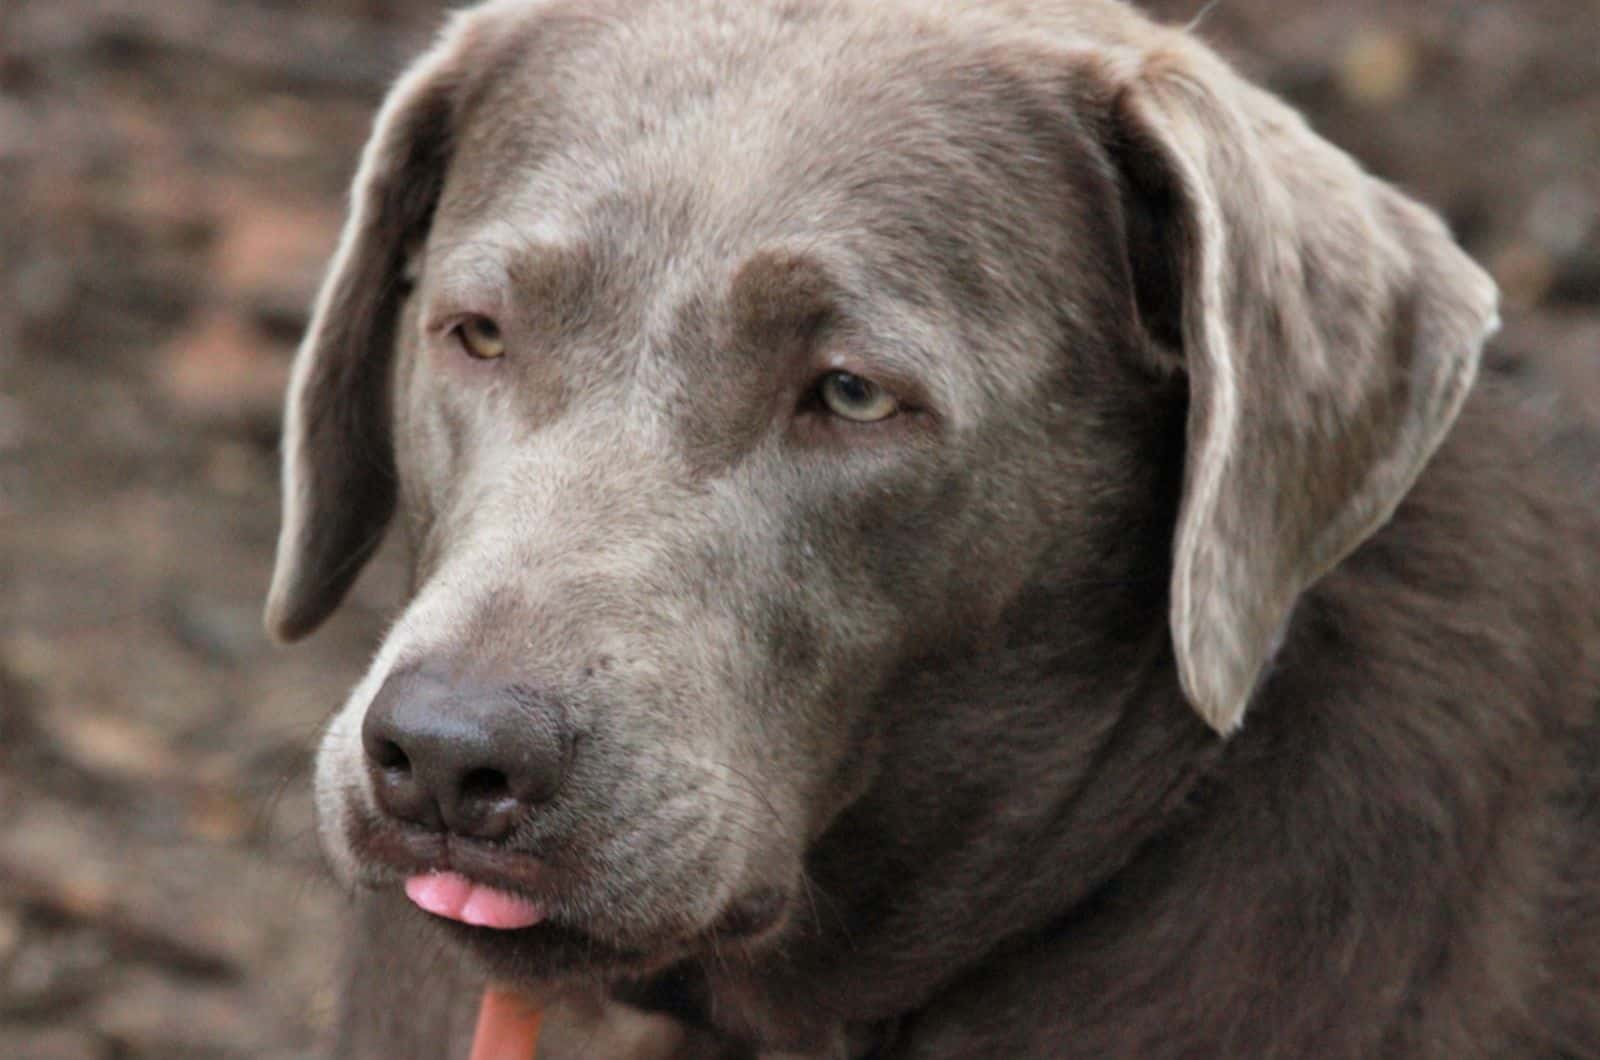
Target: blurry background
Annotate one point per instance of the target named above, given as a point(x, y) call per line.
point(171, 183)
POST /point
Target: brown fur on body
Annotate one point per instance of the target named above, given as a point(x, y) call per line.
point(1182, 677)
point(1395, 857)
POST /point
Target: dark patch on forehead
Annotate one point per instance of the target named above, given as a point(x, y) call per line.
point(779, 296)
point(556, 284)
point(744, 347)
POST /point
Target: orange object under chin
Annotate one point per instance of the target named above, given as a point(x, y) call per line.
point(508, 1027)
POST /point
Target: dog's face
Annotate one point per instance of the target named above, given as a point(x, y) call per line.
point(726, 361)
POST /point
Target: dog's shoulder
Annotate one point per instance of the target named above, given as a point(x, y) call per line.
point(1475, 613)
point(1455, 661)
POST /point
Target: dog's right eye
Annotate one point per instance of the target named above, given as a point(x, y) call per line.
point(480, 337)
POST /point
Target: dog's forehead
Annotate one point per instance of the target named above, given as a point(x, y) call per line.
point(703, 133)
point(620, 176)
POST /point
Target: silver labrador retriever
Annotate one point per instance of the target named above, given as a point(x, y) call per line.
point(934, 535)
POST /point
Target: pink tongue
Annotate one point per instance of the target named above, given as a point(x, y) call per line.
point(454, 897)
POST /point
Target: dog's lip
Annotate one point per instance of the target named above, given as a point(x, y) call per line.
point(452, 896)
point(393, 858)
point(401, 856)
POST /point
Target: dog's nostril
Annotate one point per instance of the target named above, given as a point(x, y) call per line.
point(386, 754)
point(485, 786)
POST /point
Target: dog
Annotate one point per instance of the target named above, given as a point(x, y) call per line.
point(937, 529)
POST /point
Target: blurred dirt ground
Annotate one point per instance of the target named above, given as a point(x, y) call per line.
point(171, 181)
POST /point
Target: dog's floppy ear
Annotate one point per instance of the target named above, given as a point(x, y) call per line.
point(338, 459)
point(1329, 328)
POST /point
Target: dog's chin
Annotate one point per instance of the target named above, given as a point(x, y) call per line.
point(554, 952)
point(563, 934)
point(564, 948)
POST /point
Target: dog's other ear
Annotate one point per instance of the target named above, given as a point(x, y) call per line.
point(338, 459)
point(1329, 328)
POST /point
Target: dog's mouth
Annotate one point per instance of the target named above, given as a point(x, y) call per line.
point(526, 919)
point(452, 896)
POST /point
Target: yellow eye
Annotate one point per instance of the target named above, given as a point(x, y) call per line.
point(855, 398)
point(480, 337)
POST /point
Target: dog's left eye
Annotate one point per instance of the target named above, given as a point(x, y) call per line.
point(480, 337)
point(854, 398)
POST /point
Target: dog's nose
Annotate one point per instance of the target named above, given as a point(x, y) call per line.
point(460, 758)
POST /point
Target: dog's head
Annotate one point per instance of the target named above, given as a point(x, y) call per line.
point(723, 361)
